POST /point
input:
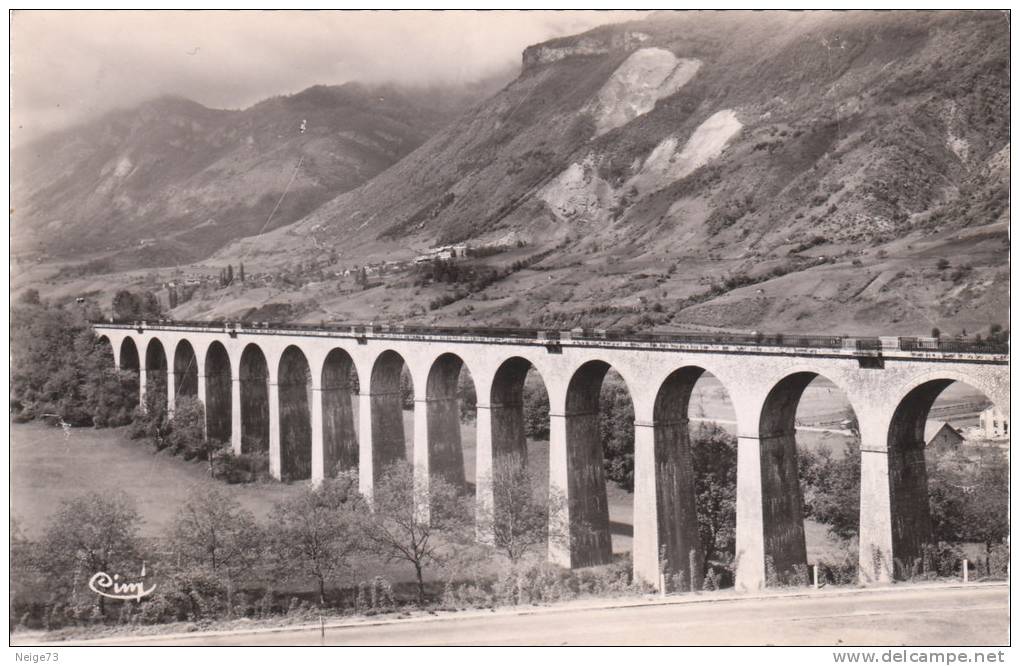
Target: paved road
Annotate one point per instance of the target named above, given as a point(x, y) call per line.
point(955, 616)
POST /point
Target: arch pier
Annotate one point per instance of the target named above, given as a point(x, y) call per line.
point(317, 400)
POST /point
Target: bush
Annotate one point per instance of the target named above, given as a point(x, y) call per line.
point(844, 569)
point(941, 560)
point(244, 468)
point(998, 561)
point(186, 596)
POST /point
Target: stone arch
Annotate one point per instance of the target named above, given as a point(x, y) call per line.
point(129, 355)
point(590, 536)
point(129, 362)
point(105, 348)
point(997, 393)
point(104, 341)
point(506, 404)
point(253, 374)
point(676, 496)
point(339, 431)
point(912, 527)
point(185, 370)
point(784, 537)
point(508, 431)
point(155, 374)
point(387, 407)
point(295, 389)
point(443, 409)
point(218, 407)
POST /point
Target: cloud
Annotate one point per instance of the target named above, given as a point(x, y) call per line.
point(70, 66)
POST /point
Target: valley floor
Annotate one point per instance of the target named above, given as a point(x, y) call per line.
point(48, 466)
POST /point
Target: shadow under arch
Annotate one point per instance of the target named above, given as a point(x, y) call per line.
point(218, 398)
point(155, 374)
point(506, 404)
point(130, 366)
point(294, 381)
point(185, 370)
point(518, 403)
point(104, 341)
point(387, 412)
point(443, 410)
point(680, 539)
point(339, 431)
point(253, 375)
point(785, 544)
point(590, 536)
point(129, 355)
point(912, 523)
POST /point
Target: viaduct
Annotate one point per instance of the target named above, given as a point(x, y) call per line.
point(287, 387)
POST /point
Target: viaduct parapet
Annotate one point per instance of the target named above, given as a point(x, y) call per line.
point(287, 387)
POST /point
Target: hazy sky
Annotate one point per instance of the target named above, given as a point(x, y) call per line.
point(69, 66)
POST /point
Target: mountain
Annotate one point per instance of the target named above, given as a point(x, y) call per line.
point(171, 181)
point(774, 171)
point(739, 170)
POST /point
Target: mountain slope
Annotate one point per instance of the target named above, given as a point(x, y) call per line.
point(676, 161)
point(809, 171)
point(170, 181)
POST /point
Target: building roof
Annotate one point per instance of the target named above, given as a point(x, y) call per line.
point(933, 428)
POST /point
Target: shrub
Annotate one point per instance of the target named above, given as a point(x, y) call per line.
point(244, 468)
point(842, 571)
point(998, 561)
point(712, 580)
point(192, 595)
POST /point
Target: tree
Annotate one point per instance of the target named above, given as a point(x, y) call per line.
point(616, 427)
point(240, 271)
point(396, 531)
point(58, 367)
point(318, 531)
point(986, 507)
point(832, 487)
point(518, 520)
point(947, 489)
point(968, 501)
point(150, 306)
point(110, 395)
point(536, 410)
point(406, 389)
point(213, 533)
point(187, 430)
point(128, 305)
point(714, 457)
point(89, 534)
point(230, 274)
point(467, 398)
point(125, 305)
point(151, 420)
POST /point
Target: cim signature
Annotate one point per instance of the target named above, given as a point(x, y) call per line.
point(103, 585)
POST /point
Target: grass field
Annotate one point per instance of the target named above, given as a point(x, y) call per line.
point(48, 466)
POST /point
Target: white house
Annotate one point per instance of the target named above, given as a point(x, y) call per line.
point(994, 423)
